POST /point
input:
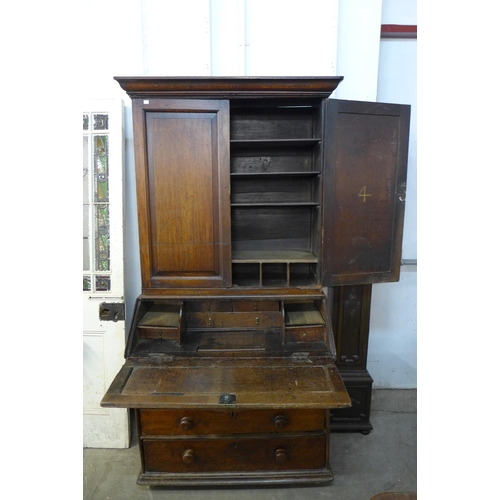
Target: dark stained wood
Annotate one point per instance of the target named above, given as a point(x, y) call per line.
point(258, 383)
point(271, 228)
point(303, 313)
point(356, 418)
point(245, 193)
point(256, 305)
point(209, 305)
point(228, 87)
point(273, 123)
point(365, 186)
point(235, 341)
point(259, 292)
point(304, 334)
point(235, 454)
point(241, 478)
point(241, 305)
point(350, 307)
point(182, 171)
point(221, 320)
point(274, 159)
point(289, 189)
point(134, 334)
point(202, 422)
point(162, 322)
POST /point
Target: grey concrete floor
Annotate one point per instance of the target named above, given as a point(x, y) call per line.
point(363, 465)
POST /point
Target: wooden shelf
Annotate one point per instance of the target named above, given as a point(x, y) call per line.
point(310, 173)
point(271, 204)
point(290, 256)
point(253, 143)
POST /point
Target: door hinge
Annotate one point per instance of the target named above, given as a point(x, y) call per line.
point(114, 311)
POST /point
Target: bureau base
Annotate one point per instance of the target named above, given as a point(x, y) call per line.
point(235, 479)
point(240, 447)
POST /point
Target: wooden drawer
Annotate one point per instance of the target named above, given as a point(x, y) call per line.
point(203, 422)
point(162, 321)
point(305, 333)
point(256, 305)
point(209, 306)
point(232, 305)
point(257, 319)
point(165, 333)
point(235, 454)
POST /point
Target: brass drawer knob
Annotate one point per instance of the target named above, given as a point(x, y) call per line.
point(188, 456)
point(280, 421)
point(186, 423)
point(280, 455)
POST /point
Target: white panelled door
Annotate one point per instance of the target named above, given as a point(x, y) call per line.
point(103, 337)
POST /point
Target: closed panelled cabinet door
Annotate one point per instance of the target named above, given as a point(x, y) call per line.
point(182, 171)
point(366, 152)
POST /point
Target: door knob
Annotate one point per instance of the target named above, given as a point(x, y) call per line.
point(186, 423)
point(280, 455)
point(188, 456)
point(280, 421)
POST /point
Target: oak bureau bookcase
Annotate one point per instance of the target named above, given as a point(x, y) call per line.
point(254, 195)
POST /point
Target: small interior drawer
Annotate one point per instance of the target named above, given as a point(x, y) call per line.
point(233, 454)
point(305, 334)
point(209, 306)
point(303, 314)
point(256, 305)
point(165, 333)
point(220, 320)
point(162, 321)
point(202, 422)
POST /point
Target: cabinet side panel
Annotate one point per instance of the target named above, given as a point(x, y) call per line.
point(365, 184)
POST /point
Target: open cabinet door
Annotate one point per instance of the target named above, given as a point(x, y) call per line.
point(365, 155)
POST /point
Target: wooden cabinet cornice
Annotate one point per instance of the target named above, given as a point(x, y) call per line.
point(229, 87)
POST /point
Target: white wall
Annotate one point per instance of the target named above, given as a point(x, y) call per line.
point(291, 41)
point(176, 37)
point(259, 38)
point(358, 49)
point(392, 351)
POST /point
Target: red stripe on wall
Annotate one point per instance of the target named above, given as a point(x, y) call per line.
point(398, 31)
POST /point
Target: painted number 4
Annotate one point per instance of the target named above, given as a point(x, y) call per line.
point(363, 194)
